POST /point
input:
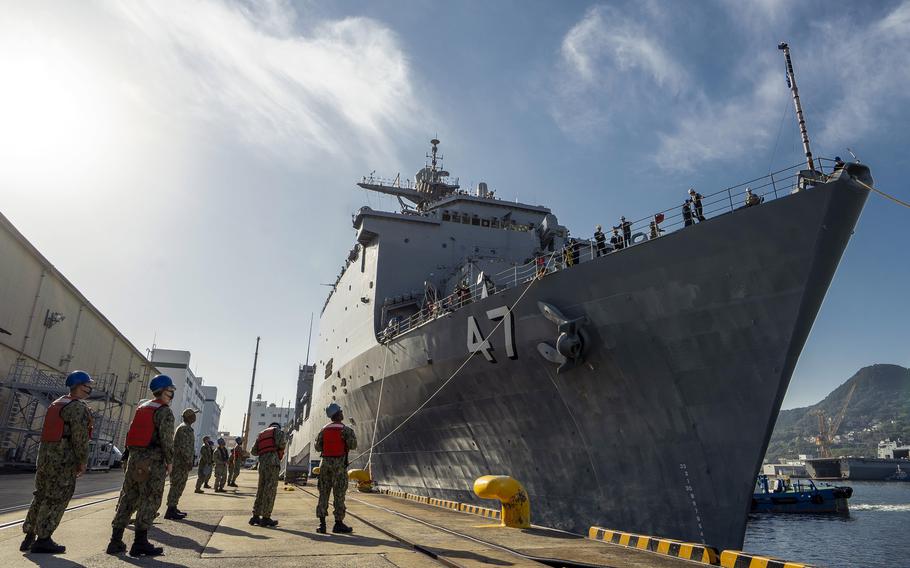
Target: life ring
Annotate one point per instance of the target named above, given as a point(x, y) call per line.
point(639, 238)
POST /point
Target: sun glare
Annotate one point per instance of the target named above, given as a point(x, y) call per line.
point(55, 122)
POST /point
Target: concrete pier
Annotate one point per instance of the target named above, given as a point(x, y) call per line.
point(388, 531)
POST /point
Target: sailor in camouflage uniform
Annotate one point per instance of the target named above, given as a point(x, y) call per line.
point(334, 442)
point(61, 459)
point(221, 460)
point(184, 452)
point(206, 461)
point(235, 462)
point(151, 443)
point(269, 447)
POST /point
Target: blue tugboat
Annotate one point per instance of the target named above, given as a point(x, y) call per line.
point(803, 496)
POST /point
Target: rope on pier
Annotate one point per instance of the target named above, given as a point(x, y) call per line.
point(447, 381)
point(883, 194)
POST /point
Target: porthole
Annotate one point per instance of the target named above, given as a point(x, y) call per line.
point(407, 240)
point(444, 245)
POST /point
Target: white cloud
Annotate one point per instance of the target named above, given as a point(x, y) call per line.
point(344, 85)
point(612, 55)
point(722, 130)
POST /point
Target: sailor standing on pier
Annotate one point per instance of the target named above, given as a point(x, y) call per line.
point(334, 442)
point(269, 447)
point(184, 442)
point(206, 459)
point(150, 440)
point(221, 462)
point(234, 462)
point(62, 458)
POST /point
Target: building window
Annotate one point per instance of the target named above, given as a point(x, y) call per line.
point(262, 423)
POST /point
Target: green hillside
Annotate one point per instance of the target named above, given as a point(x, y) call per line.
point(880, 409)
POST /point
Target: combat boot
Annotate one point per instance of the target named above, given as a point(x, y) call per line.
point(207, 486)
point(116, 545)
point(321, 528)
point(341, 528)
point(255, 520)
point(142, 546)
point(199, 490)
point(27, 542)
point(47, 546)
point(172, 514)
point(268, 522)
point(179, 512)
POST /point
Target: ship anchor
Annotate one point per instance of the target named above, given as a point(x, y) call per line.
point(571, 342)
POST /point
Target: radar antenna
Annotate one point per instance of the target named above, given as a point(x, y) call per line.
point(791, 82)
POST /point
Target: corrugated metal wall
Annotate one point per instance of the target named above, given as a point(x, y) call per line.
point(30, 289)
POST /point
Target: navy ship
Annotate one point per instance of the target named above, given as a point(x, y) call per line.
point(631, 384)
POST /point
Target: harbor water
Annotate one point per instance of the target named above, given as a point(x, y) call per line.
point(874, 535)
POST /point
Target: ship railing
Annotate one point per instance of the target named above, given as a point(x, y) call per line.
point(766, 188)
point(389, 182)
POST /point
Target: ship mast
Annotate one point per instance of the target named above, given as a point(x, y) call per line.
point(791, 81)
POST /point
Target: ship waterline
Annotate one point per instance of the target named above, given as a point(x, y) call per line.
point(691, 339)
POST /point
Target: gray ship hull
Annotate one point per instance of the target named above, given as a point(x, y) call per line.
point(693, 338)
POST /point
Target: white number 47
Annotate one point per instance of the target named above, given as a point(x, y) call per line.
point(477, 342)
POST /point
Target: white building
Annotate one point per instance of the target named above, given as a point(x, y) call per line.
point(210, 418)
point(189, 394)
point(264, 413)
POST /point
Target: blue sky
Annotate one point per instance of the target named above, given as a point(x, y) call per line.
point(190, 165)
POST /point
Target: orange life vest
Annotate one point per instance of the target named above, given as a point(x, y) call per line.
point(265, 443)
point(333, 445)
point(53, 423)
point(143, 427)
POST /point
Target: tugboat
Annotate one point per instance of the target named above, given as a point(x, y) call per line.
point(800, 497)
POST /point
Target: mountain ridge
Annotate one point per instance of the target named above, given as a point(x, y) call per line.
point(879, 409)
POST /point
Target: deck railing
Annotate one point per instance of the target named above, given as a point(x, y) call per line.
point(766, 188)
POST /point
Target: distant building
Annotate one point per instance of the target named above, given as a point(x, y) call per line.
point(304, 393)
point(190, 394)
point(264, 413)
point(211, 414)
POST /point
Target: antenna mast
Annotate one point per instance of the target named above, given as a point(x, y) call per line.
point(309, 340)
point(249, 406)
point(791, 81)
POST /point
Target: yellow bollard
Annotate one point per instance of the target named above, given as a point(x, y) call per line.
point(363, 479)
point(516, 507)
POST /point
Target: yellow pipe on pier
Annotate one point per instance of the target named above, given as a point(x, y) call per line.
point(516, 507)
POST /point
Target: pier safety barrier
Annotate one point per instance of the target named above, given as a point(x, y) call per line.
point(737, 559)
point(678, 549)
point(453, 505)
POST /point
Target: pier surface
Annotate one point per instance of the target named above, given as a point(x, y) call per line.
point(388, 532)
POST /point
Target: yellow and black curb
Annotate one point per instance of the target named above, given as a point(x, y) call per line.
point(453, 505)
point(737, 559)
point(678, 549)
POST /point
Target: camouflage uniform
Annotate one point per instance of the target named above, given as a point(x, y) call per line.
point(184, 445)
point(143, 483)
point(55, 479)
point(221, 459)
point(206, 459)
point(333, 477)
point(234, 463)
point(269, 468)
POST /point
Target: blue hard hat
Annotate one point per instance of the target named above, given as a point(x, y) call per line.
point(78, 378)
point(332, 409)
point(160, 382)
